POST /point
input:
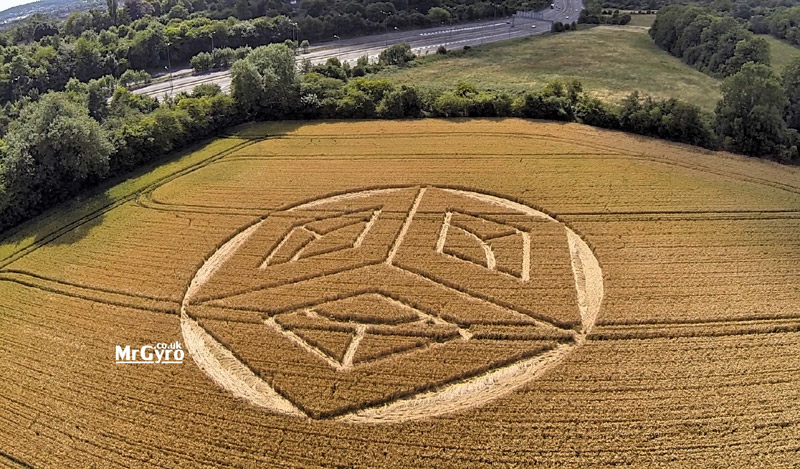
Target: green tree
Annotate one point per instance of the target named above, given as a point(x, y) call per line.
point(53, 149)
point(178, 11)
point(112, 10)
point(401, 102)
point(305, 45)
point(791, 86)
point(438, 15)
point(246, 85)
point(223, 57)
point(136, 9)
point(77, 23)
point(398, 54)
point(755, 49)
point(132, 76)
point(202, 61)
point(750, 114)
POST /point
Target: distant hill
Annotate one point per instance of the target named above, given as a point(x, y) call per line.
point(51, 8)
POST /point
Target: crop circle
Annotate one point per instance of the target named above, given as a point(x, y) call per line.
point(468, 296)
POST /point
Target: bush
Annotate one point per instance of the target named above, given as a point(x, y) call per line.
point(398, 54)
point(355, 104)
point(592, 111)
point(202, 62)
point(450, 104)
point(131, 77)
point(669, 119)
point(399, 103)
point(536, 105)
point(206, 89)
point(332, 68)
point(224, 57)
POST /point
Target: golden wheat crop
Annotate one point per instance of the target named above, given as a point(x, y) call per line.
point(413, 294)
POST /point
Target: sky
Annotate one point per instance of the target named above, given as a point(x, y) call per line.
point(6, 4)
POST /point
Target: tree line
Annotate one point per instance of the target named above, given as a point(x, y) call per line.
point(40, 54)
point(68, 140)
point(779, 18)
point(716, 45)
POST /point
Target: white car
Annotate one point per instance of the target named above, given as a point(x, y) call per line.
point(567, 17)
point(533, 26)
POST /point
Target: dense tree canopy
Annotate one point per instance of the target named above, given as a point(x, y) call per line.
point(713, 44)
point(40, 55)
point(791, 86)
point(750, 114)
point(53, 149)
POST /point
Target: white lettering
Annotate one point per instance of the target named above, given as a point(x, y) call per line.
point(123, 354)
point(161, 352)
point(147, 353)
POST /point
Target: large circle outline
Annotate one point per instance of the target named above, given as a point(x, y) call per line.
point(231, 374)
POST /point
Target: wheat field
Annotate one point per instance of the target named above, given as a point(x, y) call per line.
point(412, 294)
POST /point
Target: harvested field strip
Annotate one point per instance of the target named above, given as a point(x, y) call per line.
point(625, 217)
point(306, 377)
point(461, 309)
point(12, 274)
point(793, 188)
point(697, 271)
point(540, 318)
point(500, 332)
point(639, 144)
point(695, 164)
point(455, 397)
point(73, 395)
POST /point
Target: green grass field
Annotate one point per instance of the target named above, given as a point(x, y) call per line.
point(642, 20)
point(780, 53)
point(611, 62)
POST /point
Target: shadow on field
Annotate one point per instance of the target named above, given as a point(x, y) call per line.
point(78, 228)
point(66, 223)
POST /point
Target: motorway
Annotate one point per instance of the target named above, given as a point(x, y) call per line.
point(422, 41)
